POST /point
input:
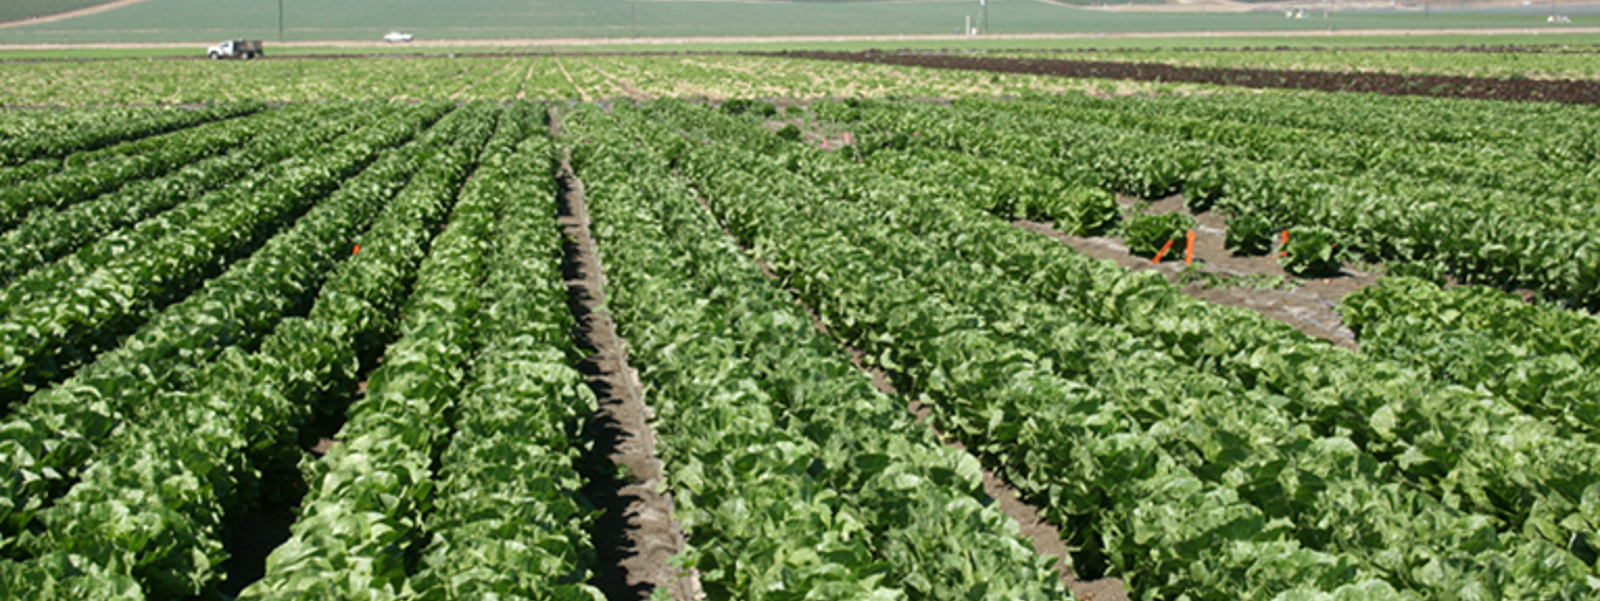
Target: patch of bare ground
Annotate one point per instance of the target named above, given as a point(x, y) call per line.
point(1308, 304)
point(1045, 537)
point(635, 534)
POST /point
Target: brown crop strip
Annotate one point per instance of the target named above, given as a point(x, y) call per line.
point(1440, 86)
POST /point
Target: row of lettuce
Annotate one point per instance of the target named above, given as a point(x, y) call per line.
point(168, 375)
point(414, 275)
point(1500, 211)
point(478, 383)
point(257, 308)
point(793, 478)
point(1552, 382)
point(1163, 429)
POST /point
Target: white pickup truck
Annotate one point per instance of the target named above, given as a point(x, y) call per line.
point(245, 49)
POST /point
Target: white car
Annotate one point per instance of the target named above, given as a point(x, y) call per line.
point(395, 36)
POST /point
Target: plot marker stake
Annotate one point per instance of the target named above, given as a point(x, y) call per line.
point(1163, 252)
point(1188, 250)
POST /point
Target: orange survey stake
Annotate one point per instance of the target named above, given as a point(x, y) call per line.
point(1163, 252)
point(1284, 245)
point(357, 250)
point(1188, 250)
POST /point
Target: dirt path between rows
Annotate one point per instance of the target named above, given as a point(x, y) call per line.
point(71, 14)
point(1045, 537)
point(636, 534)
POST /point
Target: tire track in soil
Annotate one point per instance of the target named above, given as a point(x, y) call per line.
point(636, 533)
point(1045, 537)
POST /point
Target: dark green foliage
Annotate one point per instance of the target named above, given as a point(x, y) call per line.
point(1145, 234)
point(1202, 188)
point(1312, 252)
point(1249, 235)
point(1429, 271)
point(789, 132)
point(741, 106)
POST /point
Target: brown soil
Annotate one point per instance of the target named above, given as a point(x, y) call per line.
point(1569, 91)
point(1309, 306)
point(636, 534)
point(1046, 537)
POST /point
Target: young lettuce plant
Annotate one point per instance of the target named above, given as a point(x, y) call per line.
point(1146, 234)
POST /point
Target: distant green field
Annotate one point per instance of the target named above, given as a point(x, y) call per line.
point(209, 20)
point(1188, 45)
point(16, 10)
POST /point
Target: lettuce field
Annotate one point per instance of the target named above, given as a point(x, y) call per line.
point(658, 328)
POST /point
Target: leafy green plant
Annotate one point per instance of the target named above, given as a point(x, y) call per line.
point(225, 421)
point(825, 235)
point(278, 135)
point(748, 442)
point(789, 132)
point(1248, 235)
point(1429, 271)
point(1202, 188)
point(1085, 211)
point(1146, 234)
point(60, 145)
point(740, 106)
point(1312, 252)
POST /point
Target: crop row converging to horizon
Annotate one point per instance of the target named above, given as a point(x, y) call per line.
point(292, 297)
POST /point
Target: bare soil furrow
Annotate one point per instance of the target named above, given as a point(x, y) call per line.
point(636, 534)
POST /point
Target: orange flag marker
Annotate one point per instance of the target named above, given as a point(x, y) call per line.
point(357, 251)
point(1163, 252)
